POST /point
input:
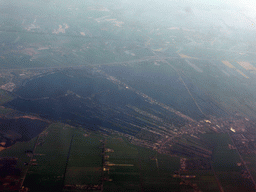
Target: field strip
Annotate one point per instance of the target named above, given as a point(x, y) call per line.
point(246, 65)
point(227, 63)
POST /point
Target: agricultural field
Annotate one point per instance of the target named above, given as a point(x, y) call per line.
point(50, 157)
point(250, 159)
point(85, 160)
point(66, 156)
point(205, 180)
point(142, 169)
point(225, 163)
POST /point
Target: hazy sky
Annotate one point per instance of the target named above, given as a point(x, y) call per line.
point(249, 6)
point(234, 13)
point(187, 13)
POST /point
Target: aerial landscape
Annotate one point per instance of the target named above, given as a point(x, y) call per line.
point(117, 96)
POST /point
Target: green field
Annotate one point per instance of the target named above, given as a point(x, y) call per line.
point(145, 175)
point(225, 163)
point(85, 162)
point(135, 168)
point(51, 159)
point(251, 163)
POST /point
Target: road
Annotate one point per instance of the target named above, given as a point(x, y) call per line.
point(244, 163)
point(30, 162)
point(148, 58)
point(218, 181)
point(66, 166)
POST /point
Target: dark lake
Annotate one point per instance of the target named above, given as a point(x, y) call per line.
point(20, 129)
point(86, 97)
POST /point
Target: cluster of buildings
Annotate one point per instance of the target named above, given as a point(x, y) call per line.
point(13, 78)
point(191, 164)
point(241, 131)
point(184, 175)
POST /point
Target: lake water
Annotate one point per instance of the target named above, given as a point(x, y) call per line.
point(86, 97)
point(21, 129)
